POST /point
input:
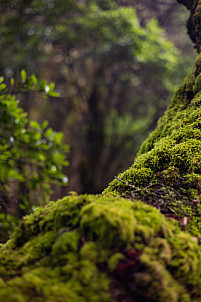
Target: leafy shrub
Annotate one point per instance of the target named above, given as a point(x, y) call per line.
point(31, 155)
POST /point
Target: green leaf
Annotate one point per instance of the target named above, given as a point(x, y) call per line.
point(45, 124)
point(41, 157)
point(51, 86)
point(53, 94)
point(30, 83)
point(58, 137)
point(34, 79)
point(23, 75)
point(12, 81)
point(2, 87)
point(42, 85)
point(49, 133)
point(35, 124)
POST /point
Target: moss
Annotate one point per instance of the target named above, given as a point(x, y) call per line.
point(197, 86)
point(95, 248)
point(114, 261)
point(134, 176)
point(172, 158)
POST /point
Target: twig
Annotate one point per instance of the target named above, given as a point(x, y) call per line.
point(148, 187)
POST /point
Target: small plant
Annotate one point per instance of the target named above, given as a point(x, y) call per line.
point(31, 155)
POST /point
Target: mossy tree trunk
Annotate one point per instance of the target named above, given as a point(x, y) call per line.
point(167, 170)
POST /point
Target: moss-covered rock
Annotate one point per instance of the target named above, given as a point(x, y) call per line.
point(95, 248)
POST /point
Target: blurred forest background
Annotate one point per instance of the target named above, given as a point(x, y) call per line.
point(115, 65)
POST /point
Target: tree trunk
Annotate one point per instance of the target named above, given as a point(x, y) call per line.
point(194, 22)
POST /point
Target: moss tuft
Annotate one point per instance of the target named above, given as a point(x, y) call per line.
point(197, 86)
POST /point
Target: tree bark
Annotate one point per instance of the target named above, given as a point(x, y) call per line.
point(194, 22)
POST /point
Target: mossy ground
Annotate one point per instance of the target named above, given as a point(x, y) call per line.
point(93, 248)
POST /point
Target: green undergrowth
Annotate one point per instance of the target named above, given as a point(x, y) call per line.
point(167, 170)
point(95, 248)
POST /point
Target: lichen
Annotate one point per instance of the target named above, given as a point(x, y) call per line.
point(96, 248)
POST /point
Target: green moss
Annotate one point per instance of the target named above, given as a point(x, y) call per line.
point(197, 86)
point(132, 176)
point(111, 226)
point(94, 248)
point(114, 261)
point(172, 158)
